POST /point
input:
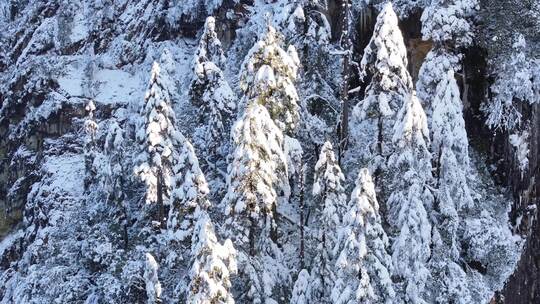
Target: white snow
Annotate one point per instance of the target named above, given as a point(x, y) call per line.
point(153, 286)
point(79, 29)
point(105, 86)
point(521, 145)
point(64, 173)
point(117, 86)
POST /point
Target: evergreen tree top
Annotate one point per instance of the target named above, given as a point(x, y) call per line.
point(328, 175)
point(449, 22)
point(210, 48)
point(256, 158)
point(267, 51)
point(267, 75)
point(438, 61)
point(411, 126)
point(386, 55)
point(448, 125)
point(364, 194)
point(191, 185)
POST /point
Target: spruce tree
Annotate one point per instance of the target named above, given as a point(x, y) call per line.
point(157, 137)
point(300, 293)
point(318, 86)
point(410, 167)
point(212, 266)
point(114, 182)
point(189, 192)
point(209, 48)
point(211, 93)
point(268, 74)
point(448, 22)
point(153, 286)
point(450, 144)
point(438, 61)
point(90, 145)
point(364, 266)
point(329, 193)
point(114, 148)
point(217, 103)
point(252, 175)
point(251, 204)
point(453, 196)
point(385, 60)
point(190, 233)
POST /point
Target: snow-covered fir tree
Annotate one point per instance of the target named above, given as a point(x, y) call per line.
point(300, 293)
point(363, 268)
point(317, 87)
point(190, 234)
point(157, 137)
point(449, 22)
point(115, 174)
point(268, 74)
point(210, 49)
point(438, 61)
point(153, 286)
point(211, 93)
point(449, 25)
point(329, 192)
point(189, 191)
point(450, 145)
point(410, 166)
point(90, 128)
point(250, 204)
point(213, 264)
point(317, 35)
point(217, 103)
point(115, 150)
point(385, 59)
point(451, 158)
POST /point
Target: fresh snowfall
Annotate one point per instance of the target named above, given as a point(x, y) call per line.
point(257, 151)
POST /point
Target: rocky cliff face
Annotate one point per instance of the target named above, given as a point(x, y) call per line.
point(500, 20)
point(524, 285)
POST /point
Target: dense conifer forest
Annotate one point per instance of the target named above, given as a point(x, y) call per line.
point(269, 151)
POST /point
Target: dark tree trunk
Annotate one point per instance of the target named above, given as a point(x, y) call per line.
point(301, 202)
point(160, 216)
point(345, 41)
point(251, 236)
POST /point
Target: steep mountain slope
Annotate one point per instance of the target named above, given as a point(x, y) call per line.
point(74, 225)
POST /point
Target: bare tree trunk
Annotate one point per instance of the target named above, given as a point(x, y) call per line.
point(121, 199)
point(251, 236)
point(380, 137)
point(301, 201)
point(346, 47)
point(273, 225)
point(160, 199)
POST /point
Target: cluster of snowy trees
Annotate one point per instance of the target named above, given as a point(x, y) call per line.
point(422, 160)
point(407, 251)
point(258, 201)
